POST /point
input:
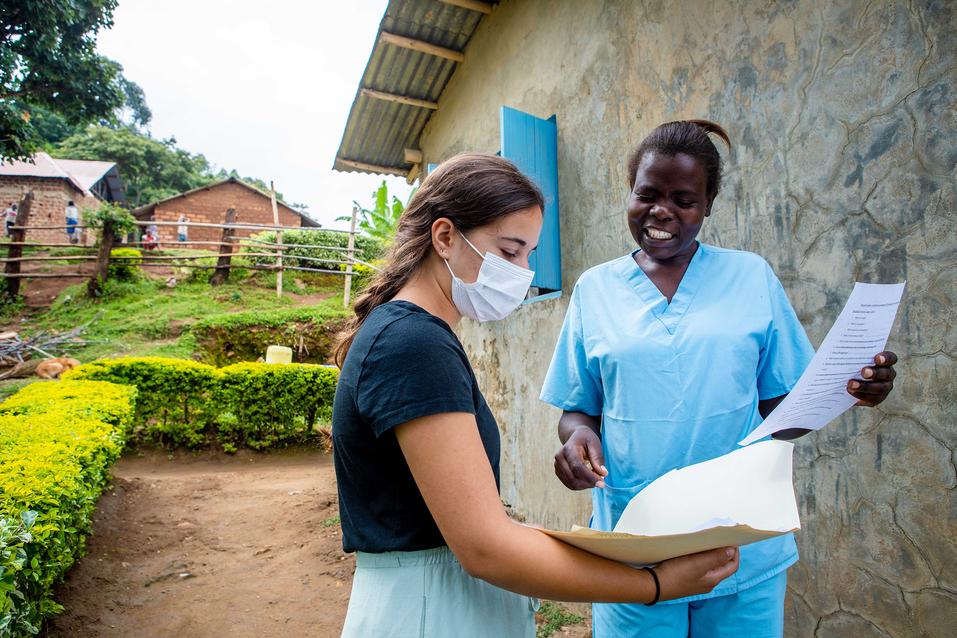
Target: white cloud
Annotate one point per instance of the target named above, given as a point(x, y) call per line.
point(264, 88)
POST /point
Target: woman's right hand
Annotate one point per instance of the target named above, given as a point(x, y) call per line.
point(579, 464)
point(696, 574)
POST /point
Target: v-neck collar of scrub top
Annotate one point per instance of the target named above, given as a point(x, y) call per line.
point(668, 314)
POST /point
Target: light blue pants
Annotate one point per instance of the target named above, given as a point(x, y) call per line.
point(756, 612)
point(427, 594)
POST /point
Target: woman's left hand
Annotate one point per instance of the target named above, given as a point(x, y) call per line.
point(876, 381)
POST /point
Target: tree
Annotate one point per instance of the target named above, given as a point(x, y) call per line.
point(382, 220)
point(48, 59)
point(151, 169)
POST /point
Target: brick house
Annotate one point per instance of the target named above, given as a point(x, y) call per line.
point(55, 182)
point(208, 204)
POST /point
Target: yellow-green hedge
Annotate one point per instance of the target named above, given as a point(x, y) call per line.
point(57, 443)
point(253, 404)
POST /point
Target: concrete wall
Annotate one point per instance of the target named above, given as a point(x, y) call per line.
point(843, 119)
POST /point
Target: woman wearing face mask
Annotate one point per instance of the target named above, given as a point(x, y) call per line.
point(417, 450)
point(669, 356)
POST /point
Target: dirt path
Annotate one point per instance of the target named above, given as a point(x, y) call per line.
point(209, 545)
point(212, 546)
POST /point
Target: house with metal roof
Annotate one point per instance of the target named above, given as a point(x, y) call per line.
point(842, 167)
point(56, 182)
point(208, 204)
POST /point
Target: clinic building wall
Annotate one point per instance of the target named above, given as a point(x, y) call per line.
point(843, 169)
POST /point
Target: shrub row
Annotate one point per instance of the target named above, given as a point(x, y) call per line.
point(188, 403)
point(366, 248)
point(57, 443)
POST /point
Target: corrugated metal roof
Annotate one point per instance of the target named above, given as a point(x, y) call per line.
point(83, 175)
point(42, 165)
point(378, 132)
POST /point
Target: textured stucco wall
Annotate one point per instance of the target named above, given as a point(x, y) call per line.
point(844, 119)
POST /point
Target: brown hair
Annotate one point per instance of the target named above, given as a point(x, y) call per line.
point(688, 137)
point(471, 190)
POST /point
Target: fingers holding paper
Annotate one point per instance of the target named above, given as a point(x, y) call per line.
point(579, 464)
point(875, 382)
point(696, 573)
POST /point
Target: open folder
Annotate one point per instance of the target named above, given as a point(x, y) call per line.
point(739, 498)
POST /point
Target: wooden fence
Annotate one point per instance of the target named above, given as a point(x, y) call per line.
point(229, 246)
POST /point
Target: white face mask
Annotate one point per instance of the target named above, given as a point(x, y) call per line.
point(500, 288)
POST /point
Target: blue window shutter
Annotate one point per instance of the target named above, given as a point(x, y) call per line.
point(532, 144)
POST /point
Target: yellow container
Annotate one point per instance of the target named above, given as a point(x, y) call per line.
point(278, 354)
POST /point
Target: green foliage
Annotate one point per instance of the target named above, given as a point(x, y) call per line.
point(151, 169)
point(48, 59)
point(127, 268)
point(272, 404)
point(381, 221)
point(248, 404)
point(57, 443)
point(120, 218)
point(552, 617)
point(244, 336)
point(366, 248)
point(173, 406)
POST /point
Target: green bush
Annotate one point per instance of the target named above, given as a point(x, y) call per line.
point(366, 248)
point(244, 336)
point(266, 404)
point(173, 406)
point(189, 403)
point(127, 268)
point(57, 443)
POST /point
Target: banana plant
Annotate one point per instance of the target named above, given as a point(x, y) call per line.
point(381, 221)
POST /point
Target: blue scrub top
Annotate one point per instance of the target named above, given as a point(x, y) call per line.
point(679, 383)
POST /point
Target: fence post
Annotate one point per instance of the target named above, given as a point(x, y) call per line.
point(275, 221)
point(107, 238)
point(221, 274)
point(17, 236)
point(351, 256)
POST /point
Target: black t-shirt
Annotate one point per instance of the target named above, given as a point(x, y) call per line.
point(404, 363)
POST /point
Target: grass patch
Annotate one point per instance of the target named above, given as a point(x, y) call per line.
point(146, 318)
point(551, 617)
point(9, 387)
point(331, 522)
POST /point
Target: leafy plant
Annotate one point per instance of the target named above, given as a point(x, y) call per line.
point(108, 212)
point(57, 443)
point(382, 220)
point(552, 617)
point(127, 268)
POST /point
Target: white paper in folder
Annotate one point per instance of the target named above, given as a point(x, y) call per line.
point(735, 499)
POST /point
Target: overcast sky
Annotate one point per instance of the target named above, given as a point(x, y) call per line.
point(261, 87)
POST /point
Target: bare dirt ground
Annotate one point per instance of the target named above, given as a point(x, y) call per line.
point(209, 545)
point(212, 545)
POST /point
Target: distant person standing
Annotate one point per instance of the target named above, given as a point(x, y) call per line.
point(182, 229)
point(72, 220)
point(10, 217)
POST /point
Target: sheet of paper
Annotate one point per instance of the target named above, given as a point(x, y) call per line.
point(736, 499)
point(860, 332)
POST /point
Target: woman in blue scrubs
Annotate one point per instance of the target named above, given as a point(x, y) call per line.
point(668, 356)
